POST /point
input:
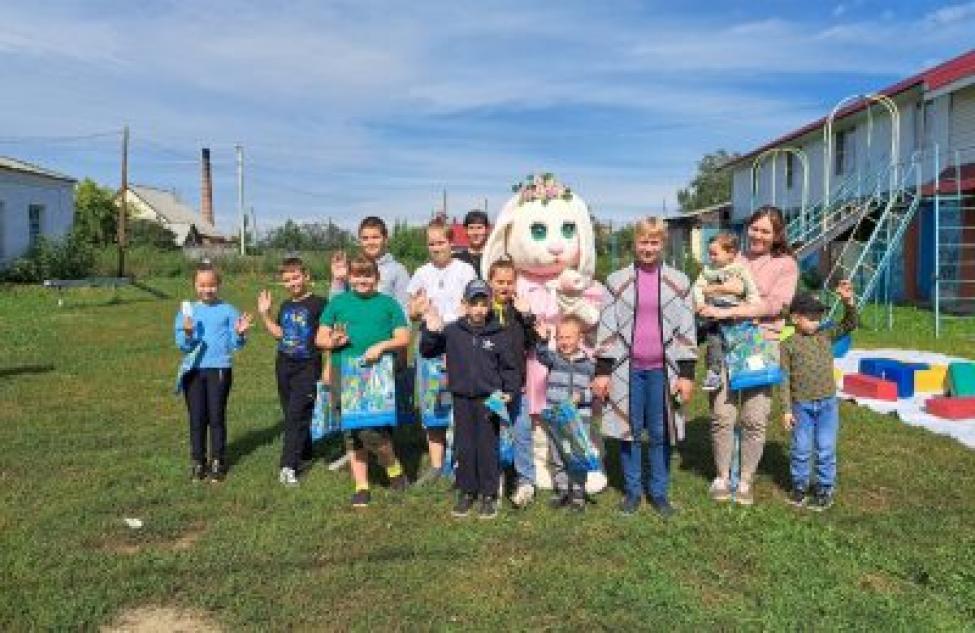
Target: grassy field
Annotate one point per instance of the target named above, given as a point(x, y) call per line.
point(91, 433)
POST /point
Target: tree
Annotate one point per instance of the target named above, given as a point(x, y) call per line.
point(711, 185)
point(95, 213)
point(148, 233)
point(309, 236)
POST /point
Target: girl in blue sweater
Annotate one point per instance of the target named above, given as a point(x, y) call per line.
point(208, 331)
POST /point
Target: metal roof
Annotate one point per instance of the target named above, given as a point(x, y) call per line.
point(12, 164)
point(931, 79)
point(166, 204)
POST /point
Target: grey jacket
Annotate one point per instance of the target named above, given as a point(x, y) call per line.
point(615, 338)
point(567, 376)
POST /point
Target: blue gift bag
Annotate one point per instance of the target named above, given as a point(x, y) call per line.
point(752, 360)
point(368, 395)
point(324, 422)
point(506, 446)
point(432, 394)
point(572, 438)
point(187, 364)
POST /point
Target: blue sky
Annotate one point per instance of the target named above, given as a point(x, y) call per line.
point(351, 108)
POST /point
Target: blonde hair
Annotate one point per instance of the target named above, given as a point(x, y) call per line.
point(650, 226)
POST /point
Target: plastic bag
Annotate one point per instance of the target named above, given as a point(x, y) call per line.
point(752, 360)
point(573, 438)
point(324, 421)
point(368, 395)
point(432, 393)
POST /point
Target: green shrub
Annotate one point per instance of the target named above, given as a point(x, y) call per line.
point(66, 258)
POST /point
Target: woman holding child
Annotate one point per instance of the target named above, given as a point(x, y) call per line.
point(770, 262)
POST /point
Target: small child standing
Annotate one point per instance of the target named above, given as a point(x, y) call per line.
point(480, 361)
point(809, 394)
point(209, 331)
point(724, 282)
point(298, 364)
point(570, 373)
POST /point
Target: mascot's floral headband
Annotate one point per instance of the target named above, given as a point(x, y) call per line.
point(542, 187)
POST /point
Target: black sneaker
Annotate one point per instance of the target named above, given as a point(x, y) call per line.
point(629, 505)
point(360, 499)
point(218, 471)
point(798, 497)
point(558, 500)
point(463, 506)
point(198, 471)
point(399, 483)
point(663, 508)
point(822, 500)
point(489, 508)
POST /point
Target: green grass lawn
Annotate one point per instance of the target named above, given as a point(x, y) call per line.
point(91, 433)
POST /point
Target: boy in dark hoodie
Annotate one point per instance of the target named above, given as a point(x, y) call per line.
point(480, 361)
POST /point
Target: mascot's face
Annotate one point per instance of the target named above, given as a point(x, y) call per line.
point(544, 239)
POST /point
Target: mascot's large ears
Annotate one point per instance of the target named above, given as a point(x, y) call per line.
point(496, 245)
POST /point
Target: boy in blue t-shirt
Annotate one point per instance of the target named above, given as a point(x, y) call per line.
point(298, 364)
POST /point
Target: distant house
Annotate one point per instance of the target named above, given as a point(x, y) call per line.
point(688, 232)
point(165, 208)
point(34, 202)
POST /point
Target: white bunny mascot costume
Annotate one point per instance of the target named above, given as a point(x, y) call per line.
point(546, 230)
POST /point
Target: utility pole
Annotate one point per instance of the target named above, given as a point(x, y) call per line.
point(122, 201)
point(445, 202)
point(240, 196)
point(485, 205)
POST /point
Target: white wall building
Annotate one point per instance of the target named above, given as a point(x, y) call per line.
point(165, 208)
point(34, 202)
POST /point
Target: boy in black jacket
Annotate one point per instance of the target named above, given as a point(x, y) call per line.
point(480, 361)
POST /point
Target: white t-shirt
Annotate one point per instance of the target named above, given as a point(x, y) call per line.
point(444, 286)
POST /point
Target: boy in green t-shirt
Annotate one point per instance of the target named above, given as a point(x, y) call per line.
point(364, 323)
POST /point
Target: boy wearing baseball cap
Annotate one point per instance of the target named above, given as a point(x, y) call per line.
point(808, 389)
point(480, 361)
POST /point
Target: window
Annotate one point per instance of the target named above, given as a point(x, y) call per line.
point(845, 156)
point(35, 222)
point(790, 168)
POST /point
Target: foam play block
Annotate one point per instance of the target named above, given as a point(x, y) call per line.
point(868, 365)
point(837, 375)
point(869, 387)
point(952, 408)
point(894, 371)
point(961, 379)
point(931, 380)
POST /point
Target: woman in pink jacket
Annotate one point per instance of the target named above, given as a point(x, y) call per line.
point(771, 263)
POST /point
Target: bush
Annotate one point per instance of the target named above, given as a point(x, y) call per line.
point(67, 258)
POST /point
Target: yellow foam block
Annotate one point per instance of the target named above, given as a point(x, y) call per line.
point(837, 375)
point(931, 380)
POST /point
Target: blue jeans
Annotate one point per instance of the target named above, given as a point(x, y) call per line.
point(647, 413)
point(816, 424)
point(522, 430)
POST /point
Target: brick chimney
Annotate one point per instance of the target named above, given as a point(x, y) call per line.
point(206, 189)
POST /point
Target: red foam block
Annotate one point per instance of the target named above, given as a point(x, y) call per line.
point(952, 408)
point(869, 387)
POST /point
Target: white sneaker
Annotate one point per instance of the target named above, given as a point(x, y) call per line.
point(719, 489)
point(524, 495)
point(288, 477)
point(744, 495)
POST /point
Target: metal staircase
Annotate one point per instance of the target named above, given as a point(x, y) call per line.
point(868, 251)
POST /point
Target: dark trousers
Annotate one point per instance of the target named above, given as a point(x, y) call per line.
point(296, 391)
point(206, 392)
point(476, 447)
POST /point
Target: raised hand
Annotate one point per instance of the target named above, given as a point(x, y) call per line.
point(244, 323)
point(340, 266)
point(845, 290)
point(432, 319)
point(264, 302)
point(521, 305)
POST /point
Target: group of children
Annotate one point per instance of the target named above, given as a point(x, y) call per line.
point(483, 334)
